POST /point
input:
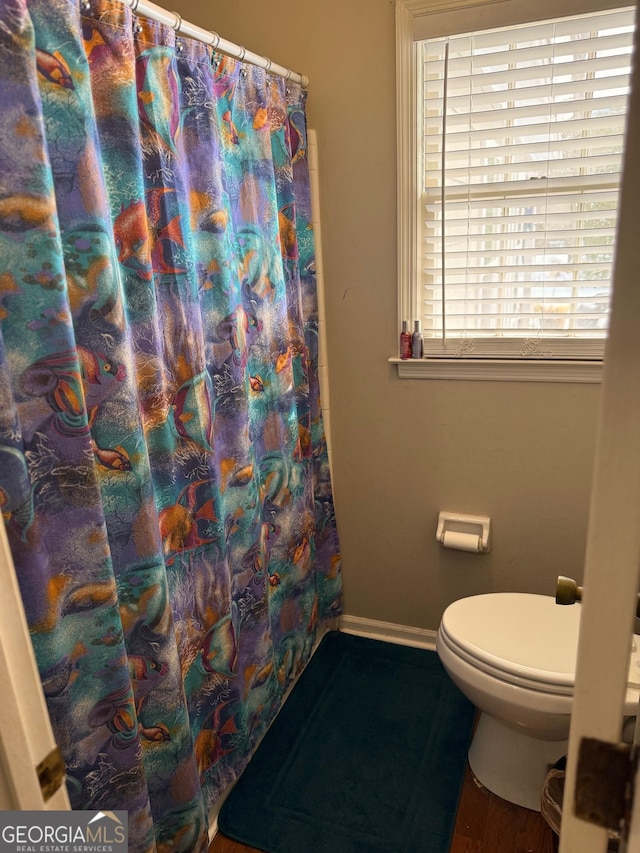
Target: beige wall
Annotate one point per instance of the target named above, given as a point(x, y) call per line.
point(404, 449)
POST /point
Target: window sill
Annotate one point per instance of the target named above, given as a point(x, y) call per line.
point(500, 370)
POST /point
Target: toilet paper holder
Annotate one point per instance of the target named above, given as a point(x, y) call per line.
point(463, 532)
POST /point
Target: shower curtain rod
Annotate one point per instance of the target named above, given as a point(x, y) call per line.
point(174, 20)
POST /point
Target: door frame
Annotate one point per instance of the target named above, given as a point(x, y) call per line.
point(26, 736)
point(612, 559)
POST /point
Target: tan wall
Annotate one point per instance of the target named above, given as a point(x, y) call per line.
point(404, 449)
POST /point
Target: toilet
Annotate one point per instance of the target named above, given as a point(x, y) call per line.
point(514, 656)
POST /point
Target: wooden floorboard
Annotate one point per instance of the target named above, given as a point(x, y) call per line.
point(484, 824)
point(220, 844)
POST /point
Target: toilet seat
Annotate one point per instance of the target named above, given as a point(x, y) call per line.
point(504, 674)
point(522, 639)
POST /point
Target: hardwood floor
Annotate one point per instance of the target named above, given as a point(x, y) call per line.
point(484, 824)
point(220, 844)
point(487, 824)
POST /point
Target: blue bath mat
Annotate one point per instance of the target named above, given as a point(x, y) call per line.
point(367, 756)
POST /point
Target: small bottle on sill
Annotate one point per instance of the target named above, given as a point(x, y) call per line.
point(417, 341)
point(405, 341)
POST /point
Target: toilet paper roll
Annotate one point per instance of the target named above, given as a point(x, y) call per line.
point(462, 541)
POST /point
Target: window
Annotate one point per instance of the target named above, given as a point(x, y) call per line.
point(508, 201)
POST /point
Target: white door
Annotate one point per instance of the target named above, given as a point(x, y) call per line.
point(613, 542)
point(26, 738)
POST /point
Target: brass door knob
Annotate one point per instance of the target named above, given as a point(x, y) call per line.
point(567, 591)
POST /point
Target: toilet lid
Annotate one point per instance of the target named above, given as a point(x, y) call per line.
point(519, 633)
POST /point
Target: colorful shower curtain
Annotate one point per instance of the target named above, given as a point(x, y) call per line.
point(163, 468)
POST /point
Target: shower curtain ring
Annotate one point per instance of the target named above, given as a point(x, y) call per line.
point(267, 67)
point(178, 24)
point(134, 6)
point(243, 51)
point(215, 44)
point(287, 76)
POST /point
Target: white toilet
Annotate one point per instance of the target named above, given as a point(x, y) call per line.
point(514, 656)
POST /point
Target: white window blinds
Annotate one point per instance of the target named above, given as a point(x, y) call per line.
point(524, 129)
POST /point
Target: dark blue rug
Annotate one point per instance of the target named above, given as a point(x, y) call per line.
point(367, 756)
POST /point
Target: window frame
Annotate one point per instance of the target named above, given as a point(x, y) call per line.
point(417, 19)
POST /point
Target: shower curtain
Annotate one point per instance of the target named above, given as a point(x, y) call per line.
point(163, 468)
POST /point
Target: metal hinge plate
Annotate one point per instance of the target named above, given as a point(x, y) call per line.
point(604, 782)
point(51, 772)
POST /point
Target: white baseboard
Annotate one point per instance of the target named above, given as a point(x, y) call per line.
point(404, 635)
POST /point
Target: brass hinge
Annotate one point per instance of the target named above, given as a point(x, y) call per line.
point(51, 772)
point(604, 783)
